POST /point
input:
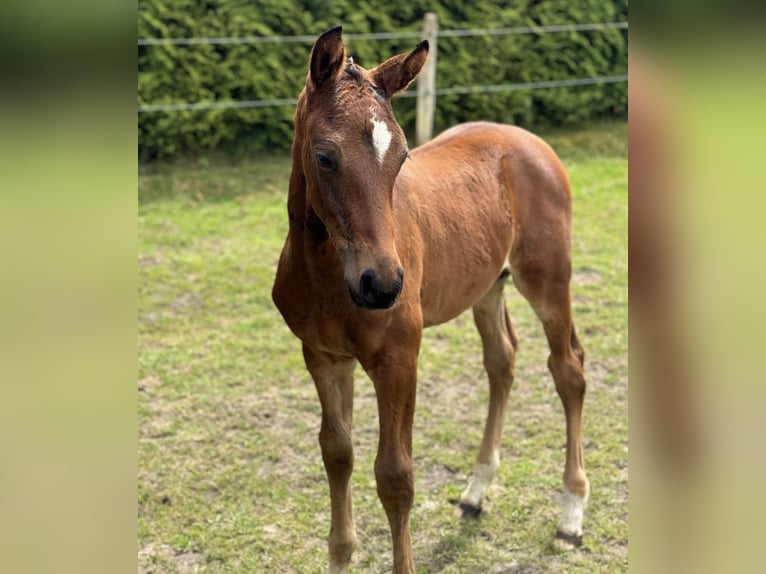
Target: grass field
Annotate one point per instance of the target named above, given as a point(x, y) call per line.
point(230, 472)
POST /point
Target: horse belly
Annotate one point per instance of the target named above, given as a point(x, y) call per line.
point(466, 248)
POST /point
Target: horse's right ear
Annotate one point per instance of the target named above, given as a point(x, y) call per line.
point(327, 56)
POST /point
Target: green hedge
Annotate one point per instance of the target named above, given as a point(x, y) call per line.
point(204, 73)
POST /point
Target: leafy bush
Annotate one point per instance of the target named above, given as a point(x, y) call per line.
point(207, 73)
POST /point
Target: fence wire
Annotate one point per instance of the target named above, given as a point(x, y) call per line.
point(555, 28)
point(243, 104)
point(409, 94)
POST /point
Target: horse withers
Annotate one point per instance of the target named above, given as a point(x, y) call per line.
point(384, 241)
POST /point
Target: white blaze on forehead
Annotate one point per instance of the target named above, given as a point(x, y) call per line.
point(381, 137)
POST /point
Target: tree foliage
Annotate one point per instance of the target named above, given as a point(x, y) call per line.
point(207, 73)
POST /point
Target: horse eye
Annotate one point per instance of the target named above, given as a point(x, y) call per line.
point(325, 161)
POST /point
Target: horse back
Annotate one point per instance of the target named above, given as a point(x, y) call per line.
point(469, 201)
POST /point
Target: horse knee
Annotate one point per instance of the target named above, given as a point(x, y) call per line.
point(337, 448)
point(395, 482)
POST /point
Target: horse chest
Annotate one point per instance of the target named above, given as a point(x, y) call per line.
point(321, 318)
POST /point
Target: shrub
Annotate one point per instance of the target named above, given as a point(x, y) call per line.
point(206, 73)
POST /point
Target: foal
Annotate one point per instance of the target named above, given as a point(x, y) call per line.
point(383, 242)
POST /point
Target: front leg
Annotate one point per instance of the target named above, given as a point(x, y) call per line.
point(393, 371)
point(334, 380)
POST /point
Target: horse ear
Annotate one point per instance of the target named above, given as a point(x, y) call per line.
point(327, 56)
point(396, 73)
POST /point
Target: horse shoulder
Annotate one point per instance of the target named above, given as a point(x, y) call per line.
point(286, 293)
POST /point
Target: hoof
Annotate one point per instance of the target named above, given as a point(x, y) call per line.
point(564, 541)
point(469, 510)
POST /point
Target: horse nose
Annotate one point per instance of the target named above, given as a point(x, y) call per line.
point(374, 294)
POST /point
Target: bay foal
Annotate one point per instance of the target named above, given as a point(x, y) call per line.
point(384, 241)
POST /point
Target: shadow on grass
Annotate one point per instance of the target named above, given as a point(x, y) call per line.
point(451, 547)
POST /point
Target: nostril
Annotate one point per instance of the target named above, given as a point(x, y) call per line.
point(366, 284)
point(396, 289)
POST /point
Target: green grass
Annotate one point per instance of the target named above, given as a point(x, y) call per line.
point(230, 473)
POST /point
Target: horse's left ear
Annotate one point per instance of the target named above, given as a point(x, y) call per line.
point(396, 73)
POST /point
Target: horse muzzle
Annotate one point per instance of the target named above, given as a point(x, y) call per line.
point(374, 293)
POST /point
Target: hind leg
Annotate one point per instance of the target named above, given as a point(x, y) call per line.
point(548, 293)
point(499, 344)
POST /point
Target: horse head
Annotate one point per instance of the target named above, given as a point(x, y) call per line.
point(351, 152)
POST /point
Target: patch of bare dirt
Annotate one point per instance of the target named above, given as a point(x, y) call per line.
point(585, 276)
point(155, 559)
point(149, 261)
point(149, 382)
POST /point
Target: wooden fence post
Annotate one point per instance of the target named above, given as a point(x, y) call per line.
point(426, 105)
